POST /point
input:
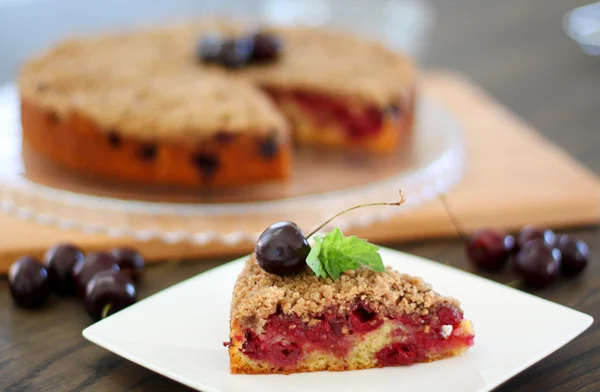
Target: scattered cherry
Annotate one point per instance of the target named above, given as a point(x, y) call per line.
point(267, 47)
point(282, 249)
point(511, 244)
point(29, 282)
point(60, 260)
point(537, 264)
point(92, 264)
point(489, 249)
point(575, 255)
point(531, 232)
point(130, 261)
point(108, 292)
point(96, 277)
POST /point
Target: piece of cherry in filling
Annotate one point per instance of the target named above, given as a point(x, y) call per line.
point(280, 352)
point(362, 320)
point(449, 315)
point(397, 354)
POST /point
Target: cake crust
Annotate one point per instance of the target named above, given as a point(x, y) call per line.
point(258, 294)
point(224, 160)
point(130, 79)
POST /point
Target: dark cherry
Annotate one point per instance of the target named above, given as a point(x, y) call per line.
point(267, 47)
point(209, 47)
point(108, 292)
point(93, 263)
point(269, 147)
point(282, 249)
point(29, 282)
point(575, 255)
point(235, 53)
point(537, 264)
point(130, 262)
point(531, 232)
point(53, 118)
point(207, 164)
point(114, 139)
point(60, 260)
point(148, 152)
point(489, 249)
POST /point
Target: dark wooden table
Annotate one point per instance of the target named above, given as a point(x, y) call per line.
point(517, 51)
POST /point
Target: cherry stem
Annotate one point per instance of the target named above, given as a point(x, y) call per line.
point(453, 219)
point(105, 310)
point(398, 203)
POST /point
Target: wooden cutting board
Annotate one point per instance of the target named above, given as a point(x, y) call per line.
point(507, 185)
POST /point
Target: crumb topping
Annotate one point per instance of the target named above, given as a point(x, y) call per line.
point(258, 294)
point(149, 84)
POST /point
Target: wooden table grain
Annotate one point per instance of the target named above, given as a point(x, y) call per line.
point(517, 51)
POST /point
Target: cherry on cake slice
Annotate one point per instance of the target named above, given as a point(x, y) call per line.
point(335, 306)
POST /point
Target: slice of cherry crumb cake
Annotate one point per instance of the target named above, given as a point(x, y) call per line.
point(335, 306)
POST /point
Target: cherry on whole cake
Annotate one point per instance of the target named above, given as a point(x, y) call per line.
point(267, 47)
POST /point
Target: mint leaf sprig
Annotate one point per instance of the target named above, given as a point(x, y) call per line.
point(333, 254)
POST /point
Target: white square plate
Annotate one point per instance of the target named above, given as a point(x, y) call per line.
point(180, 331)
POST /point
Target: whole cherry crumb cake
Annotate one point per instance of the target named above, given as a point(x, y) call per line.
point(292, 319)
point(212, 103)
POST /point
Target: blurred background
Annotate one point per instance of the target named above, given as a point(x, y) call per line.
point(516, 49)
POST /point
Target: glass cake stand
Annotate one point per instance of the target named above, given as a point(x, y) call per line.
point(321, 184)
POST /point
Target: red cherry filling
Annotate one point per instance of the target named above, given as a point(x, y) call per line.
point(279, 352)
point(417, 344)
point(449, 315)
point(286, 339)
point(396, 354)
point(357, 122)
point(362, 320)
